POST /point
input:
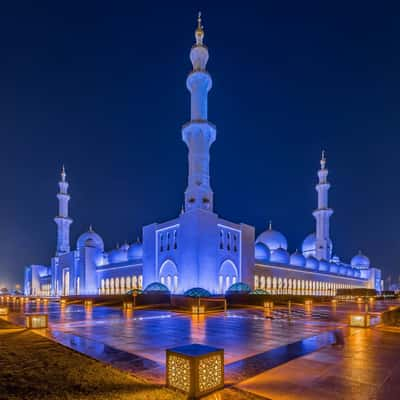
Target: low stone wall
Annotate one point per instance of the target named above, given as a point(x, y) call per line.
point(259, 299)
point(186, 303)
point(144, 299)
point(391, 317)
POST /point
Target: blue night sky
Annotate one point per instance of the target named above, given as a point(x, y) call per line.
point(100, 86)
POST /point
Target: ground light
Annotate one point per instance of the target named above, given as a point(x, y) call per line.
point(36, 320)
point(3, 311)
point(195, 369)
point(360, 320)
point(127, 305)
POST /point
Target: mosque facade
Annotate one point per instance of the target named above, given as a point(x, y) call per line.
point(198, 248)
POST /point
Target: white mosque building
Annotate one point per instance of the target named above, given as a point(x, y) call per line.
point(198, 248)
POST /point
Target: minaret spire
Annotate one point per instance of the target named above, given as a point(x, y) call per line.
point(199, 133)
point(62, 219)
point(323, 213)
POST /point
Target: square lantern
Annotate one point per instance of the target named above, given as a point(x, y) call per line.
point(3, 311)
point(195, 369)
point(36, 321)
point(63, 302)
point(269, 304)
point(88, 303)
point(198, 310)
point(127, 305)
point(308, 302)
point(360, 320)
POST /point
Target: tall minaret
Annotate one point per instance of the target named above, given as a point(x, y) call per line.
point(62, 219)
point(322, 214)
point(199, 133)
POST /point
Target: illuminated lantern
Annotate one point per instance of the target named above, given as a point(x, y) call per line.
point(360, 320)
point(198, 309)
point(308, 302)
point(127, 305)
point(36, 320)
point(3, 310)
point(63, 302)
point(269, 304)
point(195, 369)
point(88, 303)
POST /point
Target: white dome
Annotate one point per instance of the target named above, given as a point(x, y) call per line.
point(135, 251)
point(261, 252)
point(324, 266)
point(272, 239)
point(308, 246)
point(333, 268)
point(360, 261)
point(311, 263)
point(90, 239)
point(297, 259)
point(342, 269)
point(280, 256)
point(117, 255)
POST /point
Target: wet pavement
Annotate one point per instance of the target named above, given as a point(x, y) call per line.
point(136, 341)
point(367, 367)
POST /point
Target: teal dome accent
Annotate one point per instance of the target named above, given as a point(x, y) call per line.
point(239, 287)
point(259, 291)
point(156, 287)
point(197, 292)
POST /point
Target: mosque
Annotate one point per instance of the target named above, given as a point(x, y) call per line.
point(198, 248)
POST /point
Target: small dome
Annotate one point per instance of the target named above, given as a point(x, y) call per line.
point(117, 255)
point(333, 268)
point(125, 247)
point(239, 287)
point(280, 256)
point(308, 246)
point(312, 263)
point(297, 259)
point(197, 292)
point(135, 251)
point(342, 269)
point(360, 261)
point(156, 287)
point(324, 266)
point(272, 239)
point(261, 252)
point(90, 239)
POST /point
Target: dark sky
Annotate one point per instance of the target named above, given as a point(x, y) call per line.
point(100, 86)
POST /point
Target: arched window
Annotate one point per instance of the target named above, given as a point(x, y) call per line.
point(140, 281)
point(262, 282)
point(112, 287)
point(134, 282)
point(255, 281)
point(175, 283)
point(128, 282)
point(269, 282)
point(227, 282)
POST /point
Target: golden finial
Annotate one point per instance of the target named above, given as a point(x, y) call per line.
point(270, 225)
point(90, 228)
point(199, 34)
point(323, 160)
point(63, 174)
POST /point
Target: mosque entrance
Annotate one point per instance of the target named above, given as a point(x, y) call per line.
point(228, 275)
point(169, 275)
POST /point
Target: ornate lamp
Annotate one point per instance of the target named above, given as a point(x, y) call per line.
point(195, 369)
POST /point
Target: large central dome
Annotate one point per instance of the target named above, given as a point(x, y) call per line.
point(274, 240)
